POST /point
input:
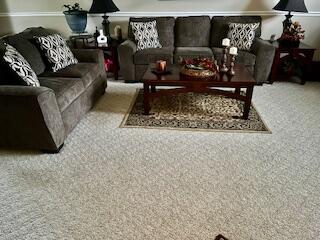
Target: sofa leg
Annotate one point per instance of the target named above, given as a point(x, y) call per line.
point(53, 151)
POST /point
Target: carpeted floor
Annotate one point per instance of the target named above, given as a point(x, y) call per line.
point(121, 183)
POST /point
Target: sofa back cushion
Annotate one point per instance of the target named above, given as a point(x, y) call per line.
point(220, 27)
point(24, 43)
point(39, 31)
point(6, 75)
point(165, 27)
point(17, 68)
point(28, 50)
point(192, 31)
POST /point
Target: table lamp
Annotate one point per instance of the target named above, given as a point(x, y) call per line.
point(104, 6)
point(290, 6)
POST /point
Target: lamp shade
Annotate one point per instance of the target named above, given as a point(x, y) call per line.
point(103, 6)
point(291, 6)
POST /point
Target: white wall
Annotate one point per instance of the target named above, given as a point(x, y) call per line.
point(19, 14)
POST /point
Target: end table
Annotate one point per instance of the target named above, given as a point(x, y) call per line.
point(110, 51)
point(287, 61)
point(79, 40)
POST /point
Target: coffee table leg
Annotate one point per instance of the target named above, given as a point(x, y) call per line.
point(146, 103)
point(247, 103)
point(153, 88)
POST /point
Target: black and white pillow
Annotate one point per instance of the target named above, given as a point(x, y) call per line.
point(18, 66)
point(56, 51)
point(146, 34)
point(242, 34)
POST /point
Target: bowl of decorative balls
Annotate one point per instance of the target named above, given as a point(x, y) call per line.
point(199, 68)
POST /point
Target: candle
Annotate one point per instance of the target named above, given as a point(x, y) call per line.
point(233, 51)
point(118, 32)
point(161, 65)
point(226, 42)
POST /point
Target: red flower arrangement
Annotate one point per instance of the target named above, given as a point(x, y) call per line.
point(293, 33)
point(200, 64)
point(199, 68)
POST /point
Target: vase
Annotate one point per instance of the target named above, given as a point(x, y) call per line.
point(102, 39)
point(77, 20)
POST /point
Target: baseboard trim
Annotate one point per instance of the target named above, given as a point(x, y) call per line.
point(153, 14)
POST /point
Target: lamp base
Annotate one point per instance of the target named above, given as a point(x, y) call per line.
point(287, 22)
point(105, 25)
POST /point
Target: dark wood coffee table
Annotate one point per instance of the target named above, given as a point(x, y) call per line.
point(242, 79)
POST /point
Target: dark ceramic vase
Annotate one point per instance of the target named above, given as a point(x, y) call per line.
point(77, 20)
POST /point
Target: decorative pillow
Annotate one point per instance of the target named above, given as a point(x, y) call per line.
point(16, 68)
point(146, 34)
point(56, 51)
point(242, 34)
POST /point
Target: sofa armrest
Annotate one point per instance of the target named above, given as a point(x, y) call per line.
point(264, 52)
point(90, 56)
point(126, 51)
point(30, 118)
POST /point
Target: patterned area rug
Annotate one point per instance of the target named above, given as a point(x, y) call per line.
point(194, 112)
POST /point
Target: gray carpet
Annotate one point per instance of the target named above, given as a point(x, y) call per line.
point(119, 183)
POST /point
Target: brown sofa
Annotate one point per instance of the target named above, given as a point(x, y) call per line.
point(195, 36)
point(42, 117)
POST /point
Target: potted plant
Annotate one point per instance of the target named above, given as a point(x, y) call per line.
point(292, 35)
point(76, 17)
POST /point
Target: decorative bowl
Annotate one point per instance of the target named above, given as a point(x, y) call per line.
point(199, 68)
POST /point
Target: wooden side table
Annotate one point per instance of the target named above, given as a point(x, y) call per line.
point(80, 40)
point(110, 51)
point(300, 56)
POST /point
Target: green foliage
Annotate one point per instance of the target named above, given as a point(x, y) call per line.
point(73, 8)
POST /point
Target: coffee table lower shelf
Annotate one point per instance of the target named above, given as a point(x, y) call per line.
point(151, 93)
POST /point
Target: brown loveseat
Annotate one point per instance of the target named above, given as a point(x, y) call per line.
point(42, 117)
point(191, 37)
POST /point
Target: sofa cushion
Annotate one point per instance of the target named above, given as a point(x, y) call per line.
point(66, 90)
point(16, 69)
point(23, 43)
point(165, 27)
point(192, 31)
point(151, 55)
point(191, 52)
point(220, 27)
point(86, 71)
point(242, 34)
point(57, 51)
point(6, 73)
point(146, 34)
point(244, 57)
